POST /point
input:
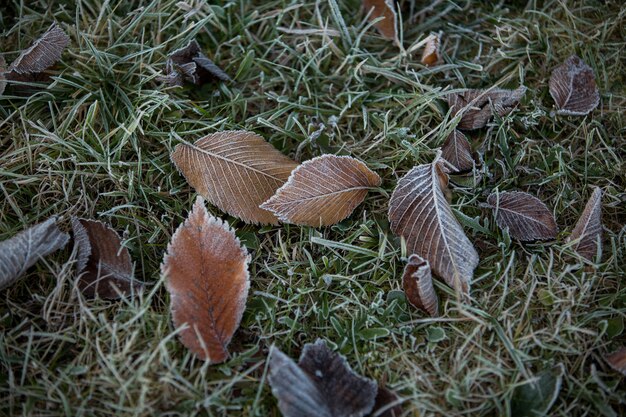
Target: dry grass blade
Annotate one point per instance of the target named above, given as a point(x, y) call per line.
point(206, 269)
point(417, 282)
point(24, 249)
point(573, 87)
point(478, 106)
point(587, 233)
point(322, 384)
point(458, 151)
point(387, 10)
point(431, 55)
point(235, 170)
point(322, 191)
point(419, 212)
point(526, 217)
point(617, 360)
point(190, 64)
point(44, 52)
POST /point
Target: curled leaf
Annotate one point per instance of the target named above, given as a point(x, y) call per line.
point(573, 87)
point(321, 384)
point(417, 282)
point(617, 360)
point(235, 170)
point(44, 53)
point(387, 10)
point(431, 55)
point(322, 191)
point(526, 217)
point(23, 250)
point(587, 233)
point(478, 106)
point(419, 212)
point(206, 270)
point(458, 151)
point(104, 266)
point(190, 64)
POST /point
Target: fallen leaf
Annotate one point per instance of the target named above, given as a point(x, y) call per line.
point(536, 397)
point(206, 271)
point(458, 151)
point(431, 55)
point(387, 404)
point(104, 266)
point(419, 212)
point(478, 106)
point(44, 53)
point(321, 384)
point(417, 282)
point(617, 360)
point(573, 88)
point(235, 170)
point(526, 217)
point(190, 64)
point(587, 233)
point(322, 191)
point(386, 9)
point(23, 250)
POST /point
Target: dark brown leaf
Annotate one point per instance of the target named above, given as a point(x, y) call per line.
point(458, 151)
point(190, 64)
point(478, 106)
point(387, 10)
point(431, 55)
point(573, 87)
point(526, 217)
point(322, 384)
point(617, 360)
point(44, 53)
point(587, 234)
point(417, 282)
point(388, 404)
point(206, 270)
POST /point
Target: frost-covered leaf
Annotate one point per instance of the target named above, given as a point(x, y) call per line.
point(206, 271)
point(573, 87)
point(458, 151)
point(321, 384)
point(587, 234)
point(431, 55)
point(388, 27)
point(419, 212)
point(535, 397)
point(526, 217)
point(235, 170)
point(478, 106)
point(44, 52)
point(190, 64)
point(23, 250)
point(617, 360)
point(417, 282)
point(322, 191)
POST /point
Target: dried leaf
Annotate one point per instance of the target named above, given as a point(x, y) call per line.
point(387, 9)
point(419, 212)
point(387, 404)
point(44, 53)
point(458, 151)
point(206, 269)
point(104, 266)
point(526, 217)
point(23, 250)
point(573, 88)
point(478, 106)
point(431, 55)
point(588, 230)
point(536, 397)
point(235, 170)
point(190, 64)
point(417, 282)
point(322, 191)
point(322, 384)
point(617, 360)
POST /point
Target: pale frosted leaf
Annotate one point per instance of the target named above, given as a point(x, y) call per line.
point(206, 271)
point(322, 191)
point(387, 10)
point(587, 233)
point(431, 55)
point(478, 106)
point(526, 217)
point(417, 282)
point(419, 212)
point(44, 52)
point(617, 360)
point(458, 151)
point(23, 250)
point(573, 87)
point(235, 170)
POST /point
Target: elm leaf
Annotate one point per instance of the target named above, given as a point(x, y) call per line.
point(386, 9)
point(417, 282)
point(477, 107)
point(573, 88)
point(587, 234)
point(458, 151)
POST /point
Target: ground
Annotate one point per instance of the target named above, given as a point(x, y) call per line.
point(313, 78)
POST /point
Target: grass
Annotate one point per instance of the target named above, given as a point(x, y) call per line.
point(313, 78)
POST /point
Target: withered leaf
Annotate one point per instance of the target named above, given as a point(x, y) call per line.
point(617, 360)
point(419, 212)
point(573, 88)
point(104, 266)
point(417, 282)
point(321, 384)
point(431, 55)
point(587, 234)
point(387, 404)
point(526, 217)
point(23, 250)
point(44, 53)
point(322, 191)
point(190, 64)
point(235, 170)
point(478, 106)
point(458, 151)
point(206, 271)
point(387, 10)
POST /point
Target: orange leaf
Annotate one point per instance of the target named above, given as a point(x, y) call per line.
point(387, 10)
point(417, 282)
point(431, 55)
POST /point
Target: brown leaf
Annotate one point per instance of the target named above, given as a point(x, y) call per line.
point(419, 212)
point(322, 191)
point(478, 106)
point(321, 384)
point(23, 250)
point(417, 282)
point(587, 233)
point(190, 64)
point(617, 360)
point(573, 87)
point(431, 55)
point(235, 170)
point(104, 266)
point(458, 151)
point(387, 404)
point(44, 53)
point(206, 270)
point(387, 9)
point(526, 217)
